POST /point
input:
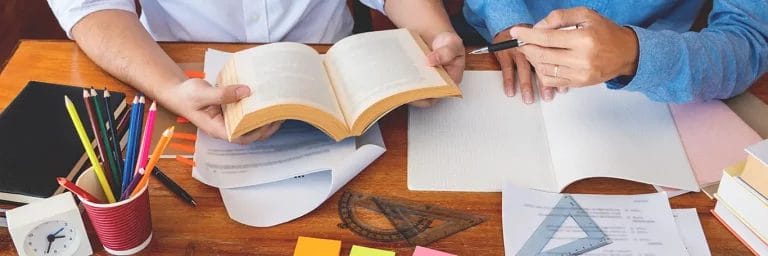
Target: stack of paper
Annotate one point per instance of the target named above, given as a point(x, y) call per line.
point(627, 225)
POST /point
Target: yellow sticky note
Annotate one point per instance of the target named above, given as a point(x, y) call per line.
point(308, 246)
point(365, 251)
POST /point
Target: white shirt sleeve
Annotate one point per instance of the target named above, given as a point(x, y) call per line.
point(69, 12)
point(373, 4)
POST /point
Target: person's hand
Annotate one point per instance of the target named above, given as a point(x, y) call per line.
point(447, 51)
point(509, 60)
point(200, 103)
point(599, 51)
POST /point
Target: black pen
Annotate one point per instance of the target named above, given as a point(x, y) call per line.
point(175, 188)
point(510, 43)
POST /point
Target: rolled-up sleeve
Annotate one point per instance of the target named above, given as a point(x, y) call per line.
point(69, 12)
point(489, 17)
point(719, 62)
point(375, 4)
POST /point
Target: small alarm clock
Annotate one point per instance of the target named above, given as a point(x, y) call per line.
point(49, 227)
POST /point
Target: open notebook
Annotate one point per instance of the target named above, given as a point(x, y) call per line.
point(473, 144)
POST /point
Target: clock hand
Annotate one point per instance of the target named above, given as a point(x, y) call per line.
point(62, 228)
point(57, 237)
point(50, 241)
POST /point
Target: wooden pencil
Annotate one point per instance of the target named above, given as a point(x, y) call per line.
point(147, 137)
point(77, 190)
point(89, 149)
point(97, 134)
point(132, 122)
point(110, 159)
point(159, 148)
point(117, 153)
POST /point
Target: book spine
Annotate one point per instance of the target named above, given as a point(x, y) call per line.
point(751, 209)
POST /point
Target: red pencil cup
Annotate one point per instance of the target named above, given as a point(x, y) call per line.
point(124, 227)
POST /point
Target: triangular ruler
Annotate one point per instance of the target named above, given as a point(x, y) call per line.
point(565, 208)
point(402, 214)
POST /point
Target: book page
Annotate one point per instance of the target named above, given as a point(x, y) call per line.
point(598, 132)
point(285, 73)
point(474, 143)
point(369, 67)
point(635, 224)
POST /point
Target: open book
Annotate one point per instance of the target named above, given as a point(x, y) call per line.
point(343, 92)
point(476, 143)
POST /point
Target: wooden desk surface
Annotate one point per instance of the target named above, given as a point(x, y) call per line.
point(207, 230)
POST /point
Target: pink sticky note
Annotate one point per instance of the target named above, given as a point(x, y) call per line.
point(423, 251)
point(713, 136)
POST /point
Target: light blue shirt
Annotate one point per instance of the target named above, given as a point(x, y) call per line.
point(674, 65)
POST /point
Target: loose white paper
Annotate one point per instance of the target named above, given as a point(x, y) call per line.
point(689, 226)
point(471, 144)
point(636, 224)
point(290, 186)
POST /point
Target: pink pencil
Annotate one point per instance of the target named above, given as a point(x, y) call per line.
point(144, 150)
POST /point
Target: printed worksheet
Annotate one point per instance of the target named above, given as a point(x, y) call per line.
point(625, 224)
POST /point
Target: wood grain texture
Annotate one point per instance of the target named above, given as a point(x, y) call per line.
point(207, 230)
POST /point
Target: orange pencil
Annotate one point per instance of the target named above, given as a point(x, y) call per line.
point(161, 145)
point(77, 190)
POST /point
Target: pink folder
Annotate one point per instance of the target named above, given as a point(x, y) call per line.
point(713, 136)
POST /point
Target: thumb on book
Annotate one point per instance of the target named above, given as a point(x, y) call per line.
point(226, 94)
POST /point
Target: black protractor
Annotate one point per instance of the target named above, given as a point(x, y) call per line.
point(349, 205)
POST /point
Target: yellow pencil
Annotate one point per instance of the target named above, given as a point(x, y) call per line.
point(89, 149)
point(159, 148)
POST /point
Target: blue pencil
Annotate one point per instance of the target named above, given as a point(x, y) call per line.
point(139, 132)
point(129, 148)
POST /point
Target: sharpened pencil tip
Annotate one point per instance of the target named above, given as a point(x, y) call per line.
point(141, 99)
point(86, 94)
point(153, 107)
point(106, 93)
point(61, 180)
point(135, 99)
point(194, 203)
point(67, 100)
point(93, 92)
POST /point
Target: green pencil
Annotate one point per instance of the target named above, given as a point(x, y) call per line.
point(105, 137)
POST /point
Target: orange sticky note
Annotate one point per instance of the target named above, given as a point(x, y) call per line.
point(365, 251)
point(308, 246)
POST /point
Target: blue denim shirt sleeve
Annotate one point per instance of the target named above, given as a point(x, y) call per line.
point(489, 17)
point(719, 62)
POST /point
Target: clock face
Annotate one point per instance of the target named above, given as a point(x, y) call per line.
point(52, 238)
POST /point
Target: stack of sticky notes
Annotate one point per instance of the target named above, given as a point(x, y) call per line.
point(308, 246)
point(423, 251)
point(365, 251)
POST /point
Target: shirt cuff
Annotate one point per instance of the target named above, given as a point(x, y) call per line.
point(652, 78)
point(499, 19)
point(70, 12)
point(375, 4)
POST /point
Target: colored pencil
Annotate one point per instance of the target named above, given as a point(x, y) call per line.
point(77, 190)
point(173, 186)
point(127, 167)
point(110, 159)
point(117, 154)
point(139, 132)
point(125, 194)
point(87, 99)
point(147, 137)
point(159, 148)
point(89, 149)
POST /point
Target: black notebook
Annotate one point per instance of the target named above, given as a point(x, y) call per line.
point(39, 143)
